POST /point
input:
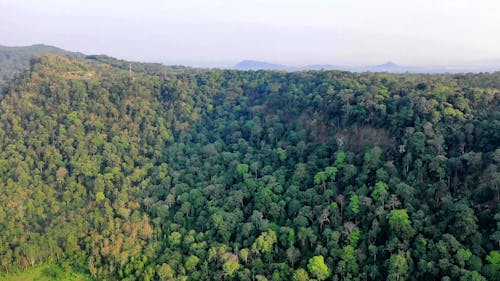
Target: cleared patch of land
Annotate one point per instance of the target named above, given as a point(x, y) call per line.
point(45, 273)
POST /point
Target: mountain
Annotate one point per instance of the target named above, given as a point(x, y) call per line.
point(323, 67)
point(260, 65)
point(386, 67)
point(127, 171)
point(391, 67)
point(16, 59)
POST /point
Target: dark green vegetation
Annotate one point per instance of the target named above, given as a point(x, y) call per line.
point(15, 59)
point(227, 175)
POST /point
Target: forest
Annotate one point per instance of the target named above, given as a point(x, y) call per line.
point(15, 59)
point(129, 171)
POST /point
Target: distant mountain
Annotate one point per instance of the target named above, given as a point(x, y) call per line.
point(386, 67)
point(324, 67)
point(484, 66)
point(15, 59)
point(260, 65)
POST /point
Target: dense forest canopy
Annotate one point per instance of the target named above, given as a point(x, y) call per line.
point(129, 173)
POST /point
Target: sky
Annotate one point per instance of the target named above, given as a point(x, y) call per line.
point(294, 32)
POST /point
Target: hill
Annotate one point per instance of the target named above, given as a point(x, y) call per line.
point(16, 59)
point(242, 175)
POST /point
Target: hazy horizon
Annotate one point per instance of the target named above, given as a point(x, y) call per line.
point(223, 32)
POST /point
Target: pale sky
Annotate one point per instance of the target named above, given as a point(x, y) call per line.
point(296, 32)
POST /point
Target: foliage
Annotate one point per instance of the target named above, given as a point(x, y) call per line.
point(318, 267)
point(46, 272)
point(180, 174)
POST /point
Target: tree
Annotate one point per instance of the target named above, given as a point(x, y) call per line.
point(373, 158)
point(230, 267)
point(380, 193)
point(281, 154)
point(264, 243)
point(320, 178)
point(464, 221)
point(354, 204)
point(300, 275)
point(292, 254)
point(494, 259)
point(340, 159)
point(463, 255)
point(349, 259)
point(472, 276)
point(242, 168)
point(99, 197)
point(400, 223)
point(493, 269)
point(165, 272)
point(244, 253)
point(332, 172)
point(354, 237)
point(318, 267)
point(191, 263)
point(175, 238)
point(398, 267)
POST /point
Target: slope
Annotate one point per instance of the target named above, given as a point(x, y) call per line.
point(16, 59)
point(238, 175)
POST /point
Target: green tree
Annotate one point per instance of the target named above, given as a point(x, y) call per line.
point(463, 255)
point(380, 192)
point(400, 223)
point(175, 238)
point(100, 196)
point(398, 267)
point(242, 168)
point(300, 275)
point(493, 268)
point(264, 243)
point(318, 267)
point(320, 178)
point(354, 203)
point(165, 272)
point(230, 267)
point(349, 259)
point(191, 263)
point(244, 254)
point(331, 172)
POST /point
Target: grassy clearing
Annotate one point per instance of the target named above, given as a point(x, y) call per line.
point(47, 272)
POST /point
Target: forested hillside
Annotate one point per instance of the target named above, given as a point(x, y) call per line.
point(15, 59)
point(156, 174)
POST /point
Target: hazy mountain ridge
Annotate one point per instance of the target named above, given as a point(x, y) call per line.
point(484, 66)
point(15, 59)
